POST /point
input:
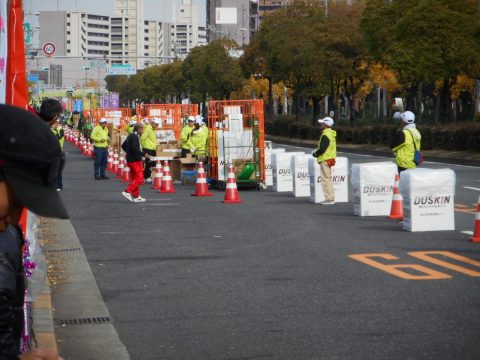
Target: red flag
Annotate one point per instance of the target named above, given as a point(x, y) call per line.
point(16, 93)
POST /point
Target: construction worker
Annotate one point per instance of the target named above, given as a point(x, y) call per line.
point(60, 135)
point(148, 141)
point(326, 153)
point(134, 156)
point(88, 129)
point(101, 139)
point(199, 139)
point(407, 142)
point(130, 126)
point(186, 135)
point(28, 172)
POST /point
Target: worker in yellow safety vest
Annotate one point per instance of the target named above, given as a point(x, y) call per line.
point(101, 140)
point(129, 127)
point(407, 143)
point(326, 154)
point(186, 136)
point(199, 139)
point(148, 140)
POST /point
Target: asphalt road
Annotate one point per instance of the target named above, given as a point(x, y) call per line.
point(192, 278)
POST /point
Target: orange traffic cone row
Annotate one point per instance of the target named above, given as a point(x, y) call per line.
point(201, 184)
point(110, 160)
point(120, 168)
point(167, 182)
point(126, 173)
point(476, 232)
point(115, 162)
point(231, 191)
point(396, 212)
point(157, 180)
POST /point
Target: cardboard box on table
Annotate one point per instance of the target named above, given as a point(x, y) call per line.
point(428, 199)
point(268, 164)
point(373, 188)
point(339, 179)
point(300, 176)
point(282, 171)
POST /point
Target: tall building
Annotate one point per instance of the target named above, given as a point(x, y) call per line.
point(157, 43)
point(129, 28)
point(234, 19)
point(76, 34)
point(268, 6)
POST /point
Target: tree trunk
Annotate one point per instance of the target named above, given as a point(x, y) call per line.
point(420, 102)
point(204, 107)
point(270, 111)
point(315, 109)
point(437, 109)
point(446, 102)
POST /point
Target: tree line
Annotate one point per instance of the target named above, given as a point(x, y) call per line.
point(343, 59)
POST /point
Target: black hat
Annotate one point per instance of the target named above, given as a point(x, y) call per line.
point(30, 161)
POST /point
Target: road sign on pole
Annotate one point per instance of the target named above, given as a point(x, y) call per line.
point(121, 69)
point(49, 48)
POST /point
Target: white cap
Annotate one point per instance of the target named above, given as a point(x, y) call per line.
point(327, 121)
point(156, 121)
point(408, 117)
point(191, 118)
point(199, 119)
point(397, 116)
point(103, 120)
point(146, 121)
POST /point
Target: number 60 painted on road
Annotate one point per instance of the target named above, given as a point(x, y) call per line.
point(427, 273)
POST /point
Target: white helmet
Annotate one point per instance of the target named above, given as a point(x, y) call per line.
point(199, 119)
point(191, 118)
point(397, 116)
point(408, 117)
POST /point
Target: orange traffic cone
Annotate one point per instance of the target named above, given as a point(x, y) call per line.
point(396, 213)
point(126, 173)
point(167, 182)
point(476, 232)
point(115, 162)
point(231, 191)
point(157, 180)
point(110, 161)
point(120, 168)
point(201, 184)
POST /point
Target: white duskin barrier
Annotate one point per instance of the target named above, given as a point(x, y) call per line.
point(300, 177)
point(268, 164)
point(428, 199)
point(339, 179)
point(373, 188)
point(282, 171)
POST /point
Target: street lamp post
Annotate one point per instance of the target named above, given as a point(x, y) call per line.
point(47, 68)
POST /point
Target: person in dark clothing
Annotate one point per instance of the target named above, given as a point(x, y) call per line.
point(135, 158)
point(30, 161)
point(50, 110)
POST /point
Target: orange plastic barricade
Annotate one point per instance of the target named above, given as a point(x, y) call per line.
point(236, 137)
point(117, 117)
point(170, 116)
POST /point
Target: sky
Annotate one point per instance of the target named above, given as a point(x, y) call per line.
point(156, 9)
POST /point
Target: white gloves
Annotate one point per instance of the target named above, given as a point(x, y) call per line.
point(193, 149)
point(195, 132)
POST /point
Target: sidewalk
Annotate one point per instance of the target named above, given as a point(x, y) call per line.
point(443, 156)
point(75, 313)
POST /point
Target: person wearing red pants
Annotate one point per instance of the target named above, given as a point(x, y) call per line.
point(134, 156)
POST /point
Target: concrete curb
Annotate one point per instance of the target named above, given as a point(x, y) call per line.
point(82, 323)
point(42, 313)
point(459, 158)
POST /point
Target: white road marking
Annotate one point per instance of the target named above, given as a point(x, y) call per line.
point(471, 188)
point(467, 232)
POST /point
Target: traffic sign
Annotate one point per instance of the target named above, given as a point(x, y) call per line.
point(32, 78)
point(121, 69)
point(49, 48)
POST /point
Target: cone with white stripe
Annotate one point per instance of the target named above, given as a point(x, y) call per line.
point(115, 162)
point(396, 213)
point(120, 168)
point(110, 160)
point(157, 179)
point(476, 232)
point(201, 183)
point(167, 182)
point(126, 173)
point(231, 191)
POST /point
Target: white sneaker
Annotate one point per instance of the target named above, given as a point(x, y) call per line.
point(127, 196)
point(139, 199)
point(327, 202)
point(148, 181)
